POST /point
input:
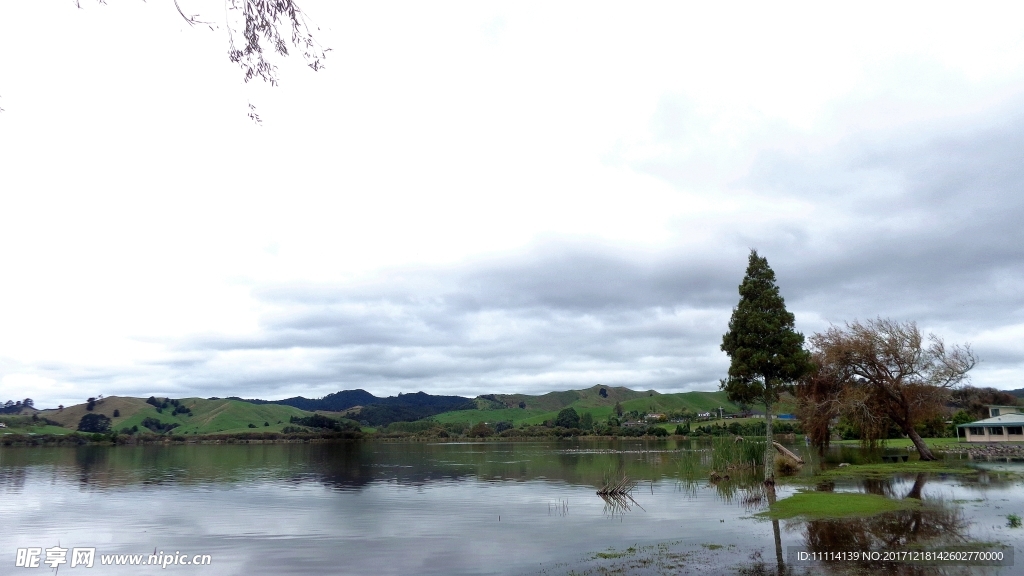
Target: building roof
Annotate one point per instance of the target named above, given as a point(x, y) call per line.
point(1007, 420)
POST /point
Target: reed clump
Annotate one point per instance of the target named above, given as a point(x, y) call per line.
point(615, 487)
point(732, 454)
point(615, 493)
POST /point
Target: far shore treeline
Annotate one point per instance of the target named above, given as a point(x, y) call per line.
point(600, 411)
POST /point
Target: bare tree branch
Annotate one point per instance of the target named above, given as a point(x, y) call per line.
point(886, 373)
point(193, 19)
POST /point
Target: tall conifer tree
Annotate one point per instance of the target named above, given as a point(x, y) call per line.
point(766, 353)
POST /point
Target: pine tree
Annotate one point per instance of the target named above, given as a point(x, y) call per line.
point(766, 353)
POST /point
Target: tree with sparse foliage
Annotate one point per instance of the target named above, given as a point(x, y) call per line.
point(587, 421)
point(766, 353)
point(891, 373)
point(977, 400)
point(819, 396)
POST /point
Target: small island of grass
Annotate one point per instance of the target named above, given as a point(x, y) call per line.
point(816, 505)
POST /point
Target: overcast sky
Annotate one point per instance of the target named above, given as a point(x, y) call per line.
point(487, 197)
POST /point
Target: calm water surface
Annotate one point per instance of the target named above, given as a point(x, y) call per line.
point(442, 508)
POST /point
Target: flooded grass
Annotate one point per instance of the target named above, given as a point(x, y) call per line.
point(886, 470)
point(667, 558)
point(730, 453)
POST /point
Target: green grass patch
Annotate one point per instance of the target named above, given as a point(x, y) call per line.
point(888, 469)
point(818, 505)
point(515, 415)
point(610, 555)
point(934, 443)
point(35, 430)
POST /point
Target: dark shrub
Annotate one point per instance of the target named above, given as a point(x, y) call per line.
point(321, 421)
point(158, 426)
point(568, 418)
point(95, 423)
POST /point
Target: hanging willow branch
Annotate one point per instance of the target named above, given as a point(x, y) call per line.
point(257, 25)
point(252, 24)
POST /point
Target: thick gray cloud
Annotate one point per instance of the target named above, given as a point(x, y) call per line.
point(928, 230)
point(922, 225)
point(561, 317)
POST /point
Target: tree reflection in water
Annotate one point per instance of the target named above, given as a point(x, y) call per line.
point(932, 525)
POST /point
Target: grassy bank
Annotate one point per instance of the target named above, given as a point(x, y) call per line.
point(933, 443)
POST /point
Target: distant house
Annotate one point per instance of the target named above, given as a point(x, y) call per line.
point(2, 425)
point(1006, 424)
point(655, 416)
point(998, 410)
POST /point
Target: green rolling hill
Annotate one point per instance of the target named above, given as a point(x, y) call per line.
point(207, 416)
point(231, 416)
point(537, 409)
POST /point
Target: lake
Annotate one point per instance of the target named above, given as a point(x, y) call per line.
point(380, 508)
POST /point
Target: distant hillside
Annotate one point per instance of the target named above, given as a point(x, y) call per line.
point(365, 407)
point(589, 397)
point(1019, 392)
point(523, 408)
point(336, 402)
point(202, 416)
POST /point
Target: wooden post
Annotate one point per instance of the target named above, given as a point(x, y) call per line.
point(782, 450)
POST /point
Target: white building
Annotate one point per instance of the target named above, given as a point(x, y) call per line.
point(1005, 424)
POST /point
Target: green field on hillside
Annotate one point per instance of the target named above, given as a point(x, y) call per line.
point(207, 416)
point(589, 400)
point(219, 416)
point(23, 424)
